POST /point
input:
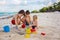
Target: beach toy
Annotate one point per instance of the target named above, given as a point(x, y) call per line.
point(23, 25)
point(6, 28)
point(33, 30)
point(28, 30)
point(27, 35)
point(13, 22)
point(43, 33)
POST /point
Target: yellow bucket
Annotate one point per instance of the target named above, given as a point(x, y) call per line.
point(27, 35)
point(28, 30)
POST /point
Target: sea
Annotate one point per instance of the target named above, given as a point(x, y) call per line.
point(13, 13)
point(7, 13)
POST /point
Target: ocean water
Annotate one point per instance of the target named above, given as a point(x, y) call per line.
point(7, 13)
point(13, 13)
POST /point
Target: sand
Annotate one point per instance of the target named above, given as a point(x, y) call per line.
point(48, 23)
point(50, 34)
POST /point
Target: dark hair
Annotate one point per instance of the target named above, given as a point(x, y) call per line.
point(21, 12)
point(27, 12)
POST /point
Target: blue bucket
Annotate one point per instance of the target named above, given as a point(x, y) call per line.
point(6, 28)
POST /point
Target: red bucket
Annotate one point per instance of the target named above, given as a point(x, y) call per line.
point(23, 25)
point(33, 30)
point(13, 22)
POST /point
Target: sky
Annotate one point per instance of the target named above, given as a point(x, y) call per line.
point(16, 5)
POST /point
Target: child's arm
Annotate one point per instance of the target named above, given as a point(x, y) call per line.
point(29, 20)
point(23, 19)
point(37, 25)
point(16, 20)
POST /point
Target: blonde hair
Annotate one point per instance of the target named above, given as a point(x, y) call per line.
point(35, 17)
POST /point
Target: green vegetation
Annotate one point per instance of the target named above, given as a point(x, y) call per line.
point(35, 11)
point(54, 7)
point(43, 9)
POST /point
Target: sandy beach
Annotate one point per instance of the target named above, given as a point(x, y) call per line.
point(47, 22)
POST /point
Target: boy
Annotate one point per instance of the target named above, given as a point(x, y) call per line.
point(26, 19)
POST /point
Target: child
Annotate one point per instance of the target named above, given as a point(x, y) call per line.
point(17, 19)
point(34, 23)
point(26, 19)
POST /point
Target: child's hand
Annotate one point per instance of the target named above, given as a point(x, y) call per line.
point(30, 26)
